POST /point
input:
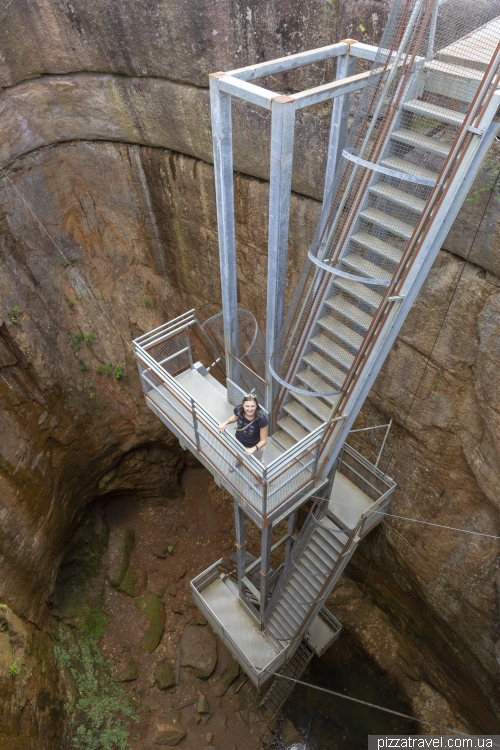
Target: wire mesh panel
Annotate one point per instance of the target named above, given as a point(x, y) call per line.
point(250, 375)
point(173, 353)
point(435, 70)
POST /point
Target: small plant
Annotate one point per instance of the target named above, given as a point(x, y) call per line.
point(76, 342)
point(361, 28)
point(70, 303)
point(118, 372)
point(91, 394)
point(99, 370)
point(89, 338)
point(62, 262)
point(15, 314)
point(170, 549)
point(57, 288)
point(13, 670)
point(78, 297)
point(107, 369)
point(146, 302)
point(3, 606)
point(83, 368)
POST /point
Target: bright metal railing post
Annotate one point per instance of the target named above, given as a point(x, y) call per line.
point(280, 185)
point(239, 523)
point(220, 103)
point(265, 568)
point(264, 493)
point(346, 66)
point(195, 425)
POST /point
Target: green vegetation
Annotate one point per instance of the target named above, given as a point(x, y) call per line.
point(170, 549)
point(76, 341)
point(83, 368)
point(118, 372)
point(146, 302)
point(57, 288)
point(89, 338)
point(3, 606)
point(70, 303)
point(98, 370)
point(15, 314)
point(78, 297)
point(13, 670)
point(99, 710)
point(107, 369)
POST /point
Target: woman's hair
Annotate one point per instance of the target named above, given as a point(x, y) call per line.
point(251, 397)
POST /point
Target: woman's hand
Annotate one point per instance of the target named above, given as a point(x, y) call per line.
point(251, 450)
point(222, 426)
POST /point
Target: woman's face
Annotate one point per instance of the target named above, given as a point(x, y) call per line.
point(249, 408)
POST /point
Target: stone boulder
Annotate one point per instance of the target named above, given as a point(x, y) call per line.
point(168, 729)
point(164, 675)
point(135, 581)
point(121, 544)
point(199, 651)
point(153, 614)
point(228, 676)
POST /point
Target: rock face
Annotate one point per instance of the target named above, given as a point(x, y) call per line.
point(107, 139)
point(168, 729)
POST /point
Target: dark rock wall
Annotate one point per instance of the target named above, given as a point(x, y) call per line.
point(106, 129)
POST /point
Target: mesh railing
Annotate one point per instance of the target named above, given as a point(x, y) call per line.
point(430, 85)
point(250, 365)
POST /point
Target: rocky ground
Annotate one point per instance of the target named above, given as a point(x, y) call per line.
point(123, 594)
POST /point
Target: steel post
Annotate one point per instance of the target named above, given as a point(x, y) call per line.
point(280, 185)
point(292, 522)
point(346, 66)
point(265, 568)
point(239, 525)
point(220, 103)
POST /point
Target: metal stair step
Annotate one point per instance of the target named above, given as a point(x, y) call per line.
point(421, 141)
point(353, 313)
point(307, 597)
point(380, 247)
point(401, 165)
point(434, 112)
point(284, 439)
point(332, 374)
point(333, 350)
point(358, 290)
point(282, 615)
point(278, 626)
point(335, 540)
point(324, 553)
point(341, 331)
point(369, 270)
point(327, 546)
point(386, 221)
point(322, 566)
point(289, 606)
point(292, 427)
point(302, 574)
point(452, 81)
point(318, 384)
point(399, 197)
point(334, 528)
point(315, 405)
point(301, 415)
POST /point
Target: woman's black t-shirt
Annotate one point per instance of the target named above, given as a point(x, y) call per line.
point(251, 435)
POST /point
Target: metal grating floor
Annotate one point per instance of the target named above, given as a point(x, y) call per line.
point(281, 689)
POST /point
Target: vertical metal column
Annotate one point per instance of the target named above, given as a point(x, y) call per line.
point(265, 568)
point(292, 522)
point(239, 525)
point(346, 66)
point(220, 104)
point(280, 185)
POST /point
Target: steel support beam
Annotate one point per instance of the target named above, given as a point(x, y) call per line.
point(292, 522)
point(346, 66)
point(265, 568)
point(280, 186)
point(239, 525)
point(220, 103)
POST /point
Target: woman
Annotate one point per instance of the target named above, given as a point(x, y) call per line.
point(251, 430)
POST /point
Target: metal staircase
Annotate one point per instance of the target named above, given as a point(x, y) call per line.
point(422, 128)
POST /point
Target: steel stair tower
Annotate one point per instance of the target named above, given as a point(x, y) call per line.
point(425, 119)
